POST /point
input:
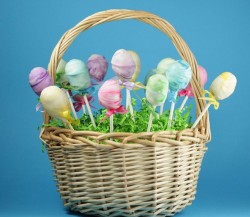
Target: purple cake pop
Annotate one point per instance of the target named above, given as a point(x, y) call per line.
point(39, 79)
point(97, 66)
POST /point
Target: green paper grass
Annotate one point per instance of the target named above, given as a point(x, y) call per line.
point(124, 122)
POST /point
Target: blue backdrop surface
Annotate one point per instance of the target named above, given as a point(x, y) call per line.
point(218, 33)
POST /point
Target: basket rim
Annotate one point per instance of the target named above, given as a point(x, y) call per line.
point(57, 137)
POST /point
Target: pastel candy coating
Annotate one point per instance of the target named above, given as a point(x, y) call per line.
point(179, 74)
point(61, 70)
point(188, 90)
point(61, 66)
point(39, 79)
point(203, 75)
point(123, 65)
point(163, 65)
point(109, 94)
point(97, 66)
point(148, 75)
point(77, 74)
point(55, 101)
point(223, 86)
point(157, 89)
point(137, 62)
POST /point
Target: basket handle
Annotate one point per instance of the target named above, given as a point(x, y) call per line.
point(146, 17)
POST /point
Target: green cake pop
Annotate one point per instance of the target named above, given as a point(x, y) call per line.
point(156, 92)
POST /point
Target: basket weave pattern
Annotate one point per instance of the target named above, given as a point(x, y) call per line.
point(127, 174)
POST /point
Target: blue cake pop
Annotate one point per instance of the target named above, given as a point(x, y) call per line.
point(179, 74)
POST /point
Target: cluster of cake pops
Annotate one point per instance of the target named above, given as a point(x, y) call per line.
point(76, 80)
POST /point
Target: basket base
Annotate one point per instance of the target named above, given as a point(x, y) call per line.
point(149, 181)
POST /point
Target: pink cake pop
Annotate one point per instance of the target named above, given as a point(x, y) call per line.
point(188, 90)
point(110, 97)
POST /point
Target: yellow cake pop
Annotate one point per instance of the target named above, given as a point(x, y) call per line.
point(221, 88)
point(56, 103)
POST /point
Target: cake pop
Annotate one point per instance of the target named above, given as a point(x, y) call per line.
point(178, 74)
point(78, 76)
point(156, 92)
point(56, 103)
point(39, 79)
point(97, 66)
point(110, 97)
point(188, 92)
point(221, 88)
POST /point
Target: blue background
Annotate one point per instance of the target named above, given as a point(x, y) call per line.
point(218, 33)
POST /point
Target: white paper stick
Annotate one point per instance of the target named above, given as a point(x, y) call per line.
point(150, 121)
point(70, 126)
point(83, 109)
point(111, 123)
point(71, 105)
point(89, 110)
point(200, 116)
point(183, 102)
point(171, 114)
point(161, 108)
point(67, 124)
point(127, 99)
point(131, 110)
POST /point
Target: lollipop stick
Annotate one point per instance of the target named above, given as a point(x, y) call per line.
point(150, 121)
point(111, 118)
point(161, 108)
point(129, 104)
point(183, 102)
point(89, 110)
point(70, 126)
point(127, 98)
point(200, 116)
point(131, 112)
point(67, 124)
point(83, 109)
point(171, 114)
point(71, 105)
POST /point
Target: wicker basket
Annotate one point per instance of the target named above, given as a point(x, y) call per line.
point(144, 174)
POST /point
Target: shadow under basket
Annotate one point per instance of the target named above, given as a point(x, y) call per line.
point(127, 174)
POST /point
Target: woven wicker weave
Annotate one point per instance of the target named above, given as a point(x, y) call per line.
point(127, 174)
